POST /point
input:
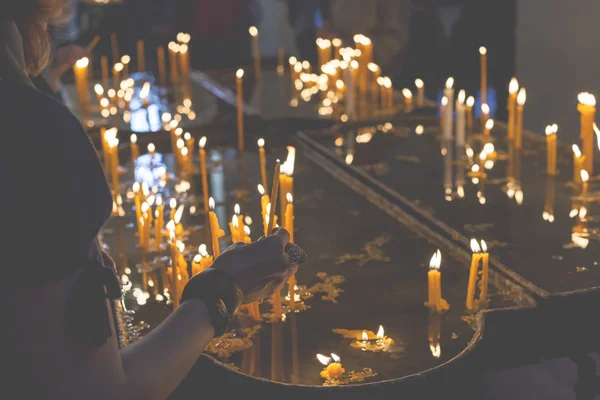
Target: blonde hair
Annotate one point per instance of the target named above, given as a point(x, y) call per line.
point(33, 16)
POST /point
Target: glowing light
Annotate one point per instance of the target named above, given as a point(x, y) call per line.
point(380, 333)
point(82, 62)
point(118, 67)
point(239, 74)
point(151, 148)
point(585, 176)
point(419, 130)
point(419, 83)
point(475, 246)
point(461, 97)
point(323, 359)
point(576, 151)
point(444, 101)
point(202, 142)
point(470, 101)
point(349, 159)
point(98, 89)
point(485, 109)
point(211, 203)
point(489, 124)
point(261, 189)
point(522, 97)
point(449, 83)
point(513, 86)
point(587, 99)
point(407, 93)
point(289, 198)
point(436, 261)
point(482, 50)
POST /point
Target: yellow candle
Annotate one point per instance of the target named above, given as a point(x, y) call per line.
point(578, 161)
point(489, 124)
point(585, 176)
point(255, 52)
point(289, 216)
point(443, 105)
point(408, 100)
point(483, 61)
point(173, 49)
point(215, 229)
point(587, 108)
point(138, 204)
point(135, 149)
point(162, 70)
point(105, 150)
point(382, 92)
point(324, 51)
point(144, 227)
point(158, 223)
point(470, 103)
point(80, 69)
point(240, 108)
point(117, 68)
point(264, 201)
point(104, 68)
point(263, 162)
point(548, 213)
point(203, 172)
point(114, 45)
point(513, 89)
point(172, 207)
point(434, 277)
point(336, 43)
point(420, 92)
point(141, 58)
point(184, 61)
point(234, 229)
point(174, 269)
point(280, 62)
point(148, 222)
point(125, 61)
point(292, 61)
point(470, 303)
point(113, 146)
point(485, 257)
point(389, 92)
point(286, 179)
point(274, 189)
point(521, 98)
point(151, 149)
point(375, 73)
point(551, 149)
point(485, 114)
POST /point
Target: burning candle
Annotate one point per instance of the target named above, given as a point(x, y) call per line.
point(240, 108)
point(337, 43)
point(215, 229)
point(548, 213)
point(263, 162)
point(159, 221)
point(420, 92)
point(448, 109)
point(443, 105)
point(201, 144)
point(485, 114)
point(273, 198)
point(373, 343)
point(141, 59)
point(521, 98)
point(470, 103)
point(376, 73)
point(144, 226)
point(434, 277)
point(151, 149)
point(578, 162)
point(135, 149)
point(286, 180)
point(551, 131)
point(264, 201)
point(485, 257)
point(289, 216)
point(408, 100)
point(104, 68)
point(513, 89)
point(174, 252)
point(470, 303)
point(389, 92)
point(80, 69)
point(112, 144)
point(125, 61)
point(587, 109)
point(256, 52)
point(489, 124)
point(184, 61)
point(162, 69)
point(117, 68)
point(207, 259)
point(137, 202)
point(173, 70)
point(99, 92)
point(483, 61)
point(585, 176)
point(172, 209)
point(234, 229)
point(333, 367)
point(460, 119)
point(324, 51)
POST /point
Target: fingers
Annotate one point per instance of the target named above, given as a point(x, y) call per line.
point(296, 254)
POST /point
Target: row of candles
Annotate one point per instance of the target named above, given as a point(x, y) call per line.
point(179, 67)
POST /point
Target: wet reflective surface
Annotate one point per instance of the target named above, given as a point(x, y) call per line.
point(539, 226)
point(363, 270)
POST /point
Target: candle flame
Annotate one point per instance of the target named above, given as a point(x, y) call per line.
point(179, 213)
point(288, 166)
point(489, 124)
point(335, 358)
point(234, 221)
point(268, 208)
point(289, 198)
point(585, 176)
point(118, 67)
point(171, 226)
point(202, 250)
point(519, 196)
point(583, 212)
point(387, 81)
point(247, 230)
point(133, 138)
point(145, 91)
point(489, 148)
point(159, 200)
point(180, 143)
point(180, 247)
point(292, 60)
point(587, 99)
point(261, 142)
point(187, 136)
point(597, 134)
point(151, 148)
point(484, 248)
point(172, 235)
point(513, 86)
point(576, 151)
point(449, 83)
point(380, 332)
point(482, 50)
point(98, 89)
point(551, 129)
point(522, 97)
point(444, 101)
point(151, 199)
point(579, 240)
point(135, 187)
point(239, 74)
point(573, 213)
point(82, 62)
point(236, 209)
point(202, 142)
point(436, 261)
point(172, 203)
point(349, 158)
point(337, 42)
point(485, 109)
point(365, 337)
point(373, 67)
point(211, 203)
point(184, 151)
point(419, 83)
point(178, 131)
point(261, 189)
point(125, 59)
point(470, 101)
point(253, 31)
point(407, 93)
point(145, 207)
point(323, 359)
point(436, 350)
point(197, 258)
point(475, 246)
point(419, 130)
point(461, 97)
point(145, 189)
point(166, 117)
